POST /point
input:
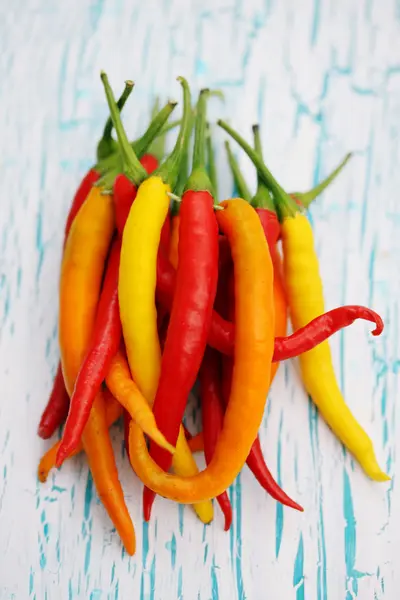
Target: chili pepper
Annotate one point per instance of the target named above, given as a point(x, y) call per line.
point(122, 386)
point(238, 179)
point(254, 316)
point(81, 277)
point(211, 166)
point(107, 145)
point(137, 274)
point(303, 281)
point(195, 289)
point(196, 442)
point(255, 460)
point(58, 404)
point(103, 346)
point(48, 460)
point(174, 240)
point(305, 295)
point(149, 162)
point(222, 332)
point(213, 417)
point(56, 410)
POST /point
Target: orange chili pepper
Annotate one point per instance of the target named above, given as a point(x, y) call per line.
point(254, 345)
point(125, 390)
point(48, 460)
point(81, 277)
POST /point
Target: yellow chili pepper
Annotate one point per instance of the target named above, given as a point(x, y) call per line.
point(305, 295)
point(306, 301)
point(137, 273)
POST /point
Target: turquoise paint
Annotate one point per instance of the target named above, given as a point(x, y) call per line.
point(153, 578)
point(279, 507)
point(88, 495)
point(315, 22)
point(145, 552)
point(180, 584)
point(238, 536)
point(298, 574)
point(171, 546)
point(205, 554)
point(181, 512)
point(367, 182)
point(214, 582)
point(96, 595)
point(31, 580)
point(87, 554)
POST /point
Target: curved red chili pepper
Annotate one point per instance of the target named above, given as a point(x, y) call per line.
point(213, 417)
point(57, 407)
point(105, 343)
point(222, 332)
point(124, 193)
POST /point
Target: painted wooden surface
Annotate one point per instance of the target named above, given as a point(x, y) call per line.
point(322, 77)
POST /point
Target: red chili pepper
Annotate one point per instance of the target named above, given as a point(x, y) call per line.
point(213, 417)
point(222, 332)
point(124, 193)
point(104, 345)
point(195, 288)
point(149, 162)
point(56, 410)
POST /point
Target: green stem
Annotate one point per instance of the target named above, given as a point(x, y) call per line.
point(141, 144)
point(169, 170)
point(237, 174)
point(286, 206)
point(262, 197)
point(132, 167)
point(307, 197)
point(199, 179)
point(157, 147)
point(212, 169)
point(107, 145)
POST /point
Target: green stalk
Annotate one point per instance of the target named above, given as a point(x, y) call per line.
point(286, 206)
point(199, 179)
point(140, 145)
point(169, 170)
point(157, 147)
point(307, 197)
point(212, 169)
point(132, 167)
point(237, 174)
point(262, 198)
point(107, 145)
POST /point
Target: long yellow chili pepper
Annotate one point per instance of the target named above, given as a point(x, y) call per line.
point(305, 295)
point(254, 344)
point(137, 273)
point(306, 301)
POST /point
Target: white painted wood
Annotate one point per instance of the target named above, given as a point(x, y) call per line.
point(322, 78)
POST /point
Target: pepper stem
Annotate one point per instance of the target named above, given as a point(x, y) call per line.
point(262, 197)
point(212, 170)
point(141, 144)
point(307, 197)
point(286, 206)
point(132, 167)
point(169, 170)
point(199, 179)
point(107, 145)
point(237, 174)
point(157, 147)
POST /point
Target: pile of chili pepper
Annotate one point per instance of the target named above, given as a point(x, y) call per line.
point(163, 286)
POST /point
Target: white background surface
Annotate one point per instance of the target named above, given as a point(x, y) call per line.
point(322, 77)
